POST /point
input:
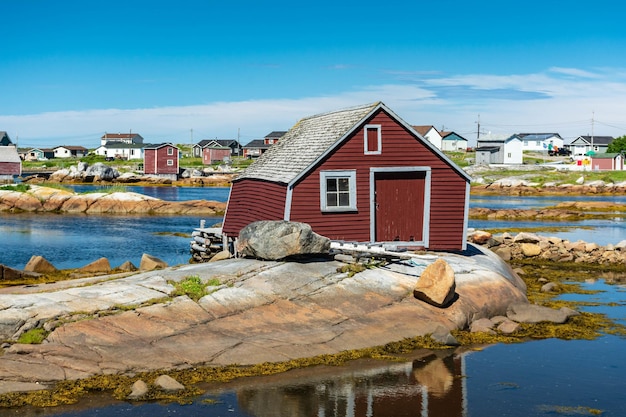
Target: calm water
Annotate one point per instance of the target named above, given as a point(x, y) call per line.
point(541, 378)
point(71, 241)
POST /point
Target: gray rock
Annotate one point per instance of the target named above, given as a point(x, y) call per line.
point(508, 327)
point(525, 237)
point(482, 325)
point(549, 287)
point(150, 263)
point(273, 240)
point(167, 383)
point(443, 336)
point(138, 390)
point(532, 313)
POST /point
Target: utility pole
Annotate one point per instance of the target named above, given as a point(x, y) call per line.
point(593, 113)
point(478, 129)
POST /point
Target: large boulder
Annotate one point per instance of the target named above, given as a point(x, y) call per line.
point(436, 285)
point(273, 240)
point(102, 171)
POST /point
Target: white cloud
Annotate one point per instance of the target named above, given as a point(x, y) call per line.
point(506, 103)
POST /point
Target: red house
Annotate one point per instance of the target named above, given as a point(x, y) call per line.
point(211, 154)
point(360, 175)
point(161, 160)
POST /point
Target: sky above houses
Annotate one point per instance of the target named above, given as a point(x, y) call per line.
point(182, 71)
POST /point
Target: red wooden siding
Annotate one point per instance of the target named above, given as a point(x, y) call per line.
point(10, 168)
point(399, 149)
point(161, 156)
point(210, 155)
point(253, 200)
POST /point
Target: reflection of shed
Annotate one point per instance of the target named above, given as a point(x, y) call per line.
point(360, 174)
point(607, 162)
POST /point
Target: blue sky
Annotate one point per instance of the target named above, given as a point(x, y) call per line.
point(186, 70)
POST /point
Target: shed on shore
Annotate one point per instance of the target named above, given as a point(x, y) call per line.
point(360, 174)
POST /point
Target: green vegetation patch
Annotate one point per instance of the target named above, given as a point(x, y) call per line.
point(21, 188)
point(193, 287)
point(33, 336)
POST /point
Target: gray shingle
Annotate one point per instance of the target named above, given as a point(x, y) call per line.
point(305, 143)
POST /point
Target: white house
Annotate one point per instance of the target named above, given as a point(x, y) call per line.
point(70, 151)
point(453, 142)
point(430, 133)
point(121, 138)
point(119, 150)
point(583, 145)
point(499, 149)
point(541, 142)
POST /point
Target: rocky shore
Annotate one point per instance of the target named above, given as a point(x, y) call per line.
point(255, 312)
point(46, 199)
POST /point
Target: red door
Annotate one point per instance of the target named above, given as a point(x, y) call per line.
point(399, 199)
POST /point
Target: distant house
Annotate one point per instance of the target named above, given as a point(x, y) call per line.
point(257, 147)
point(70, 151)
point(540, 142)
point(607, 162)
point(121, 150)
point(360, 174)
point(453, 142)
point(37, 154)
point(10, 163)
point(497, 149)
point(582, 145)
point(431, 134)
point(213, 154)
point(4, 139)
point(127, 138)
point(161, 160)
point(234, 145)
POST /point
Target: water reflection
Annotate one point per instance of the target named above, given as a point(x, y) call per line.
point(431, 384)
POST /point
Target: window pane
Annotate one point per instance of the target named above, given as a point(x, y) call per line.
point(331, 184)
point(331, 200)
point(344, 199)
point(344, 184)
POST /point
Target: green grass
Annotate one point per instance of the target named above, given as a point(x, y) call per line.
point(33, 336)
point(109, 189)
point(193, 287)
point(22, 188)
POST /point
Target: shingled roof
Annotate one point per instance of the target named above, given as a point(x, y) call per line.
point(307, 142)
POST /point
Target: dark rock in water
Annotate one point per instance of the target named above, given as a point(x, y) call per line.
point(273, 240)
point(39, 264)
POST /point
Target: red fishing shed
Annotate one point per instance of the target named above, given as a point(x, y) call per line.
point(361, 175)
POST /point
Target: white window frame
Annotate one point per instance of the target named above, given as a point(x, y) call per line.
point(170, 162)
point(335, 174)
point(170, 151)
point(367, 151)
